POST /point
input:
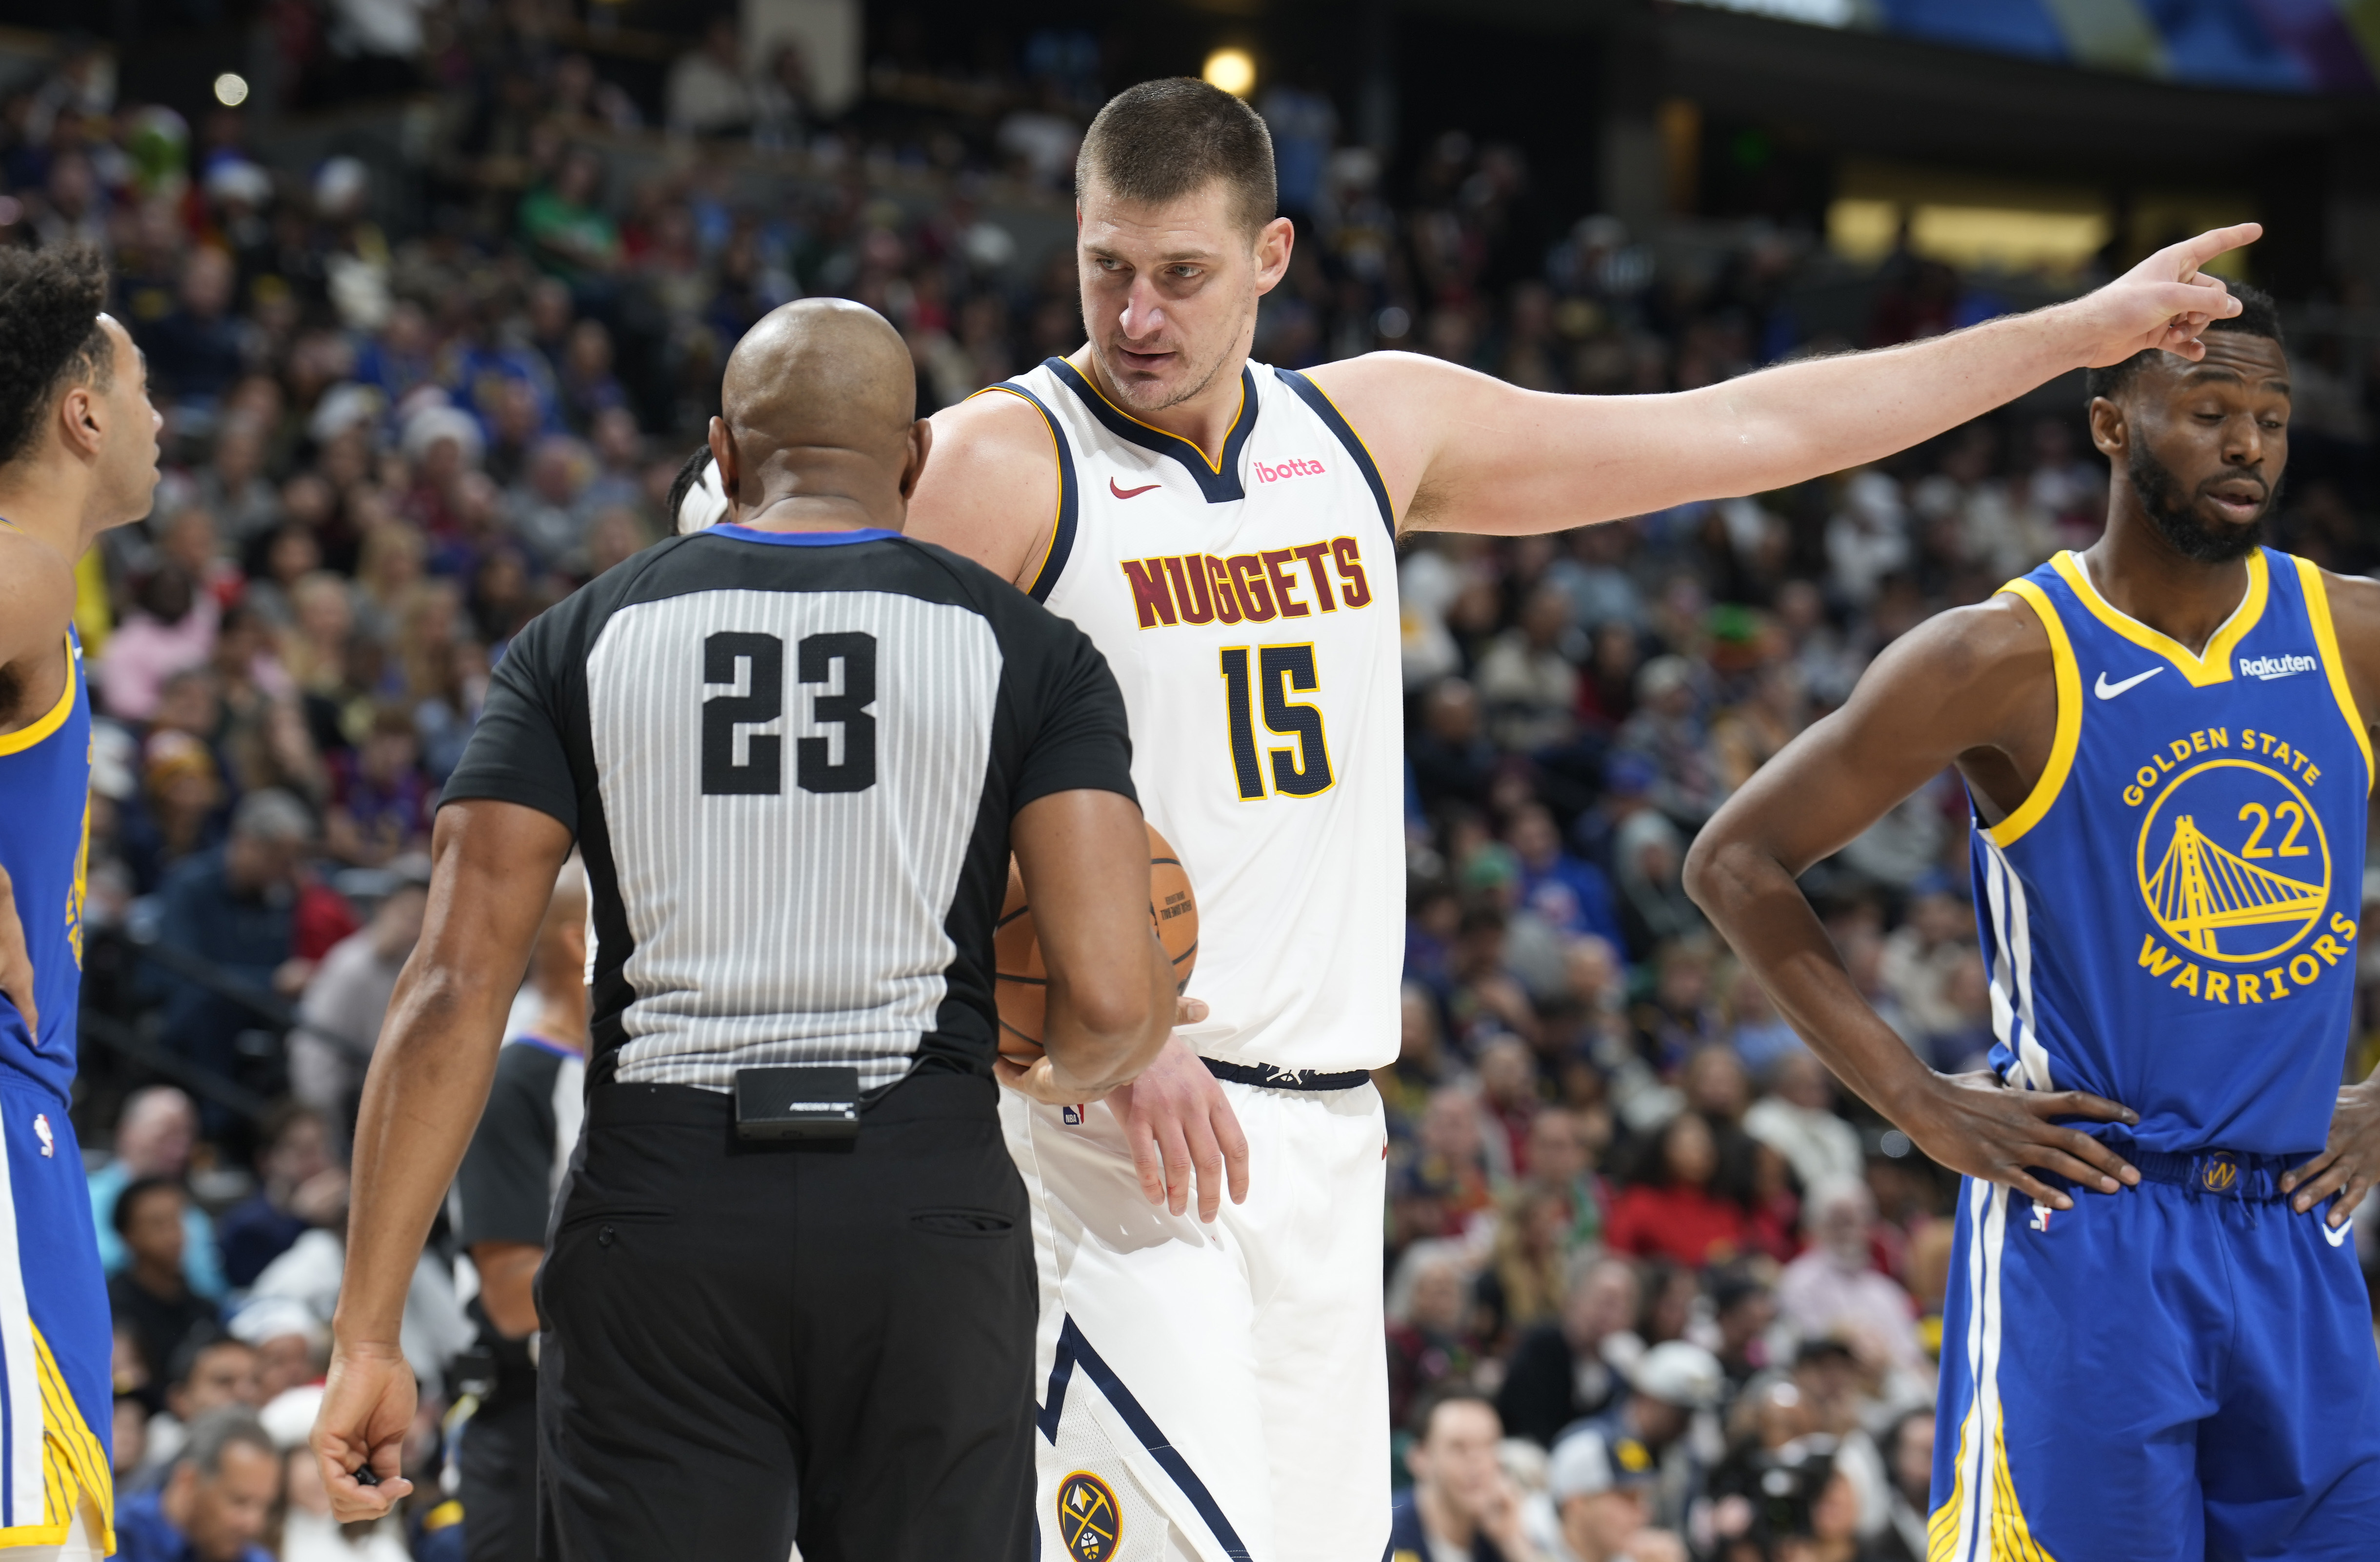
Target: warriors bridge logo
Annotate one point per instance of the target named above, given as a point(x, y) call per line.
point(2234, 867)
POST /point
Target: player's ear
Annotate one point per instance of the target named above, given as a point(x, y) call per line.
point(2110, 432)
point(82, 420)
point(1274, 242)
point(722, 450)
point(920, 444)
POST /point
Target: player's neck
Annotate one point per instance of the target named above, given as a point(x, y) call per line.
point(2148, 580)
point(46, 500)
point(1204, 419)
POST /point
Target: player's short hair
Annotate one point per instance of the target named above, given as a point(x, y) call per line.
point(1456, 1392)
point(2258, 317)
point(1162, 139)
point(49, 337)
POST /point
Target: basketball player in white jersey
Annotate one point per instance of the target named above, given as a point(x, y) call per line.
point(1213, 1384)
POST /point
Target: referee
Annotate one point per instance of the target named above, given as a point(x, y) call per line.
point(795, 752)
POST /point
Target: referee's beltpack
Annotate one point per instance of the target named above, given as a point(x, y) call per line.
point(797, 1103)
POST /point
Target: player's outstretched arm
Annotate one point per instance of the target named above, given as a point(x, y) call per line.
point(1462, 452)
point(1975, 683)
point(991, 492)
point(493, 866)
point(2350, 1162)
point(1084, 857)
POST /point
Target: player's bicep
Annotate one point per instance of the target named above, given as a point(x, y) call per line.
point(991, 490)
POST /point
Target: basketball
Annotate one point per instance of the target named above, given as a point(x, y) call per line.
point(1016, 950)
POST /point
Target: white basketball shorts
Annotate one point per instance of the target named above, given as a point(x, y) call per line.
point(1211, 1393)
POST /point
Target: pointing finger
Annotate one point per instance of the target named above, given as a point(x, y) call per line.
point(2217, 241)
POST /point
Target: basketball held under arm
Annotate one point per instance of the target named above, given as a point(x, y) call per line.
point(1084, 857)
point(989, 494)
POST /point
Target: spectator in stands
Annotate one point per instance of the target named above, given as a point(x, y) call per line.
point(1430, 1338)
point(150, 1296)
point(1572, 1370)
point(1571, 894)
point(171, 628)
point(1668, 1386)
point(1445, 1182)
point(195, 352)
point(155, 1132)
point(1834, 1289)
point(299, 1186)
point(1600, 1502)
point(231, 909)
point(1673, 1206)
point(216, 1504)
point(708, 92)
point(1462, 1503)
point(1909, 1465)
point(1453, 760)
point(1743, 1310)
point(381, 800)
point(209, 1370)
point(1797, 1119)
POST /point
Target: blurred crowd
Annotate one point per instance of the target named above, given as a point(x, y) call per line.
point(1654, 1289)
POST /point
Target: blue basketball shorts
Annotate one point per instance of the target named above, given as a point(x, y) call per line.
point(57, 1392)
point(2183, 1370)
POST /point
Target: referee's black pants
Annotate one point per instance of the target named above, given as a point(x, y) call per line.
point(739, 1333)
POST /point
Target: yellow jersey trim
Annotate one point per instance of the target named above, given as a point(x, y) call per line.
point(2069, 735)
point(2214, 667)
point(1216, 466)
point(1058, 456)
point(55, 717)
point(75, 1471)
point(2334, 666)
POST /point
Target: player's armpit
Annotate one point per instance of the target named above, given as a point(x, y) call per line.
point(990, 489)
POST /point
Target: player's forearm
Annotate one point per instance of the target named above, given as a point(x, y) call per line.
point(423, 1097)
point(1102, 1034)
point(1761, 912)
point(1802, 420)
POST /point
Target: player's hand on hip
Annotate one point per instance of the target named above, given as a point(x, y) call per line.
point(16, 962)
point(1976, 1124)
point(2162, 302)
point(1181, 1128)
point(2350, 1162)
point(367, 1403)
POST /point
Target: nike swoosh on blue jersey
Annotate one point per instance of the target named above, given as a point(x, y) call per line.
point(2106, 690)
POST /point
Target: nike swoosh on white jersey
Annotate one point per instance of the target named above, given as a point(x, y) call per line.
point(2106, 690)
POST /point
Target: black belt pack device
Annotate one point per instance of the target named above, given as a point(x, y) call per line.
point(797, 1102)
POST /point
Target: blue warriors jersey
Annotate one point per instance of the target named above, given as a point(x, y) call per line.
point(56, 1393)
point(2169, 919)
point(44, 828)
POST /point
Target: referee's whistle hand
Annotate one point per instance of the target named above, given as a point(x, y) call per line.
point(367, 1403)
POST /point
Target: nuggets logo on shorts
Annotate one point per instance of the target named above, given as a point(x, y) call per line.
point(2233, 861)
point(1088, 1522)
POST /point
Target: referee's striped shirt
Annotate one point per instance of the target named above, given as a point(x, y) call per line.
point(791, 760)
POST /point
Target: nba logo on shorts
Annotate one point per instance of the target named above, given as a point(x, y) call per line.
point(1088, 1524)
point(1071, 1116)
point(41, 1131)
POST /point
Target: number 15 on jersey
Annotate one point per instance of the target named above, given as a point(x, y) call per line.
point(1300, 768)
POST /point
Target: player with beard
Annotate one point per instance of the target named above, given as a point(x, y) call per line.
point(1210, 1377)
point(2163, 742)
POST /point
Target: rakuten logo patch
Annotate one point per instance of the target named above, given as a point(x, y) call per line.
point(1295, 467)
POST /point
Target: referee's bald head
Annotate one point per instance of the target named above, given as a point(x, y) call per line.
point(819, 419)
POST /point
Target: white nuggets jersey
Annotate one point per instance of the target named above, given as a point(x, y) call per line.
point(1248, 611)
